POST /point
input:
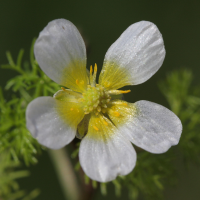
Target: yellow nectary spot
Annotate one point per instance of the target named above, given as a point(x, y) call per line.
point(106, 123)
point(100, 128)
point(70, 112)
point(75, 76)
point(120, 112)
point(95, 128)
point(117, 114)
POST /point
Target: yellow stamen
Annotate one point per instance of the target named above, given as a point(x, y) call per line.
point(115, 92)
point(71, 109)
point(77, 82)
point(95, 68)
point(125, 91)
point(95, 128)
point(91, 70)
point(63, 88)
point(93, 81)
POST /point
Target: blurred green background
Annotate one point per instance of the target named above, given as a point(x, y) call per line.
point(101, 23)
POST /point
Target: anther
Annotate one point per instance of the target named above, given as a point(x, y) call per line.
point(77, 82)
point(125, 91)
point(91, 70)
point(93, 81)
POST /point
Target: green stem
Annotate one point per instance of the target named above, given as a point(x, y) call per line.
point(65, 174)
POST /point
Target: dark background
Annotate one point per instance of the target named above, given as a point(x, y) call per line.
point(101, 22)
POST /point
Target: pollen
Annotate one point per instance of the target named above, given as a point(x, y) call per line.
point(77, 82)
point(71, 109)
point(95, 128)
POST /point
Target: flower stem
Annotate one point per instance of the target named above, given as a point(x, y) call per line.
point(65, 173)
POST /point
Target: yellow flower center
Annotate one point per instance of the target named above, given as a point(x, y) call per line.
point(96, 98)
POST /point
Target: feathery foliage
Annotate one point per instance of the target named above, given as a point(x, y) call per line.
point(152, 172)
point(17, 146)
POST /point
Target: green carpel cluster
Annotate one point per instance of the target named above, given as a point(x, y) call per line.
point(95, 99)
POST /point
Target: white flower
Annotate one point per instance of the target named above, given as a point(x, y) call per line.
point(107, 125)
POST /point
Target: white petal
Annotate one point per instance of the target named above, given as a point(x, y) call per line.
point(153, 127)
point(135, 57)
point(61, 54)
point(105, 156)
point(45, 124)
